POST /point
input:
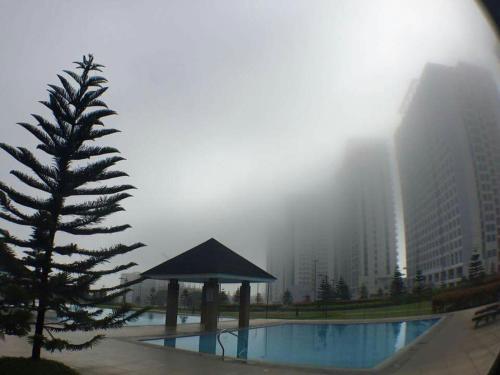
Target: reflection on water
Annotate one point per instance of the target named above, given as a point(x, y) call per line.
point(208, 344)
point(325, 345)
point(242, 348)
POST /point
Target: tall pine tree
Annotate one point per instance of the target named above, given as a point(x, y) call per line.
point(419, 283)
point(342, 290)
point(63, 276)
point(325, 290)
point(397, 284)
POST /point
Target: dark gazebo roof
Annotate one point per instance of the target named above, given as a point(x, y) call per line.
point(209, 260)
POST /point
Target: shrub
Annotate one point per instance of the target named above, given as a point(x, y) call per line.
point(467, 297)
point(27, 366)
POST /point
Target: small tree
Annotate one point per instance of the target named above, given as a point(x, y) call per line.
point(67, 286)
point(287, 298)
point(259, 299)
point(476, 269)
point(419, 283)
point(223, 298)
point(342, 290)
point(380, 293)
point(236, 296)
point(397, 284)
point(325, 290)
point(363, 293)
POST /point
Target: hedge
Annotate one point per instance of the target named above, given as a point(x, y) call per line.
point(467, 297)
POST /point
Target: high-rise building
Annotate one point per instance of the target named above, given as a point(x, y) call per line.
point(448, 151)
point(364, 226)
point(141, 293)
point(300, 248)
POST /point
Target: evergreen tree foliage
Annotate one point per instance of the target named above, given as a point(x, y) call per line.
point(342, 290)
point(287, 298)
point(71, 198)
point(325, 290)
point(223, 298)
point(15, 314)
point(397, 284)
point(363, 293)
point(476, 269)
point(419, 283)
point(236, 296)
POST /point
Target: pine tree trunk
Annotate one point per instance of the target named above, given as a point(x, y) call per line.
point(37, 342)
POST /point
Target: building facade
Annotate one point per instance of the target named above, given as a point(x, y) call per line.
point(300, 249)
point(364, 225)
point(448, 154)
point(142, 293)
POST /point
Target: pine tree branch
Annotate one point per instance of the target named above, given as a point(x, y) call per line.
point(30, 181)
point(60, 344)
point(22, 155)
point(95, 230)
point(42, 136)
point(9, 239)
point(88, 207)
point(24, 200)
point(86, 152)
point(98, 133)
point(105, 253)
point(5, 203)
point(102, 190)
point(90, 218)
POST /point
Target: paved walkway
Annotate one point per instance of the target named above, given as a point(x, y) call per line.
point(453, 347)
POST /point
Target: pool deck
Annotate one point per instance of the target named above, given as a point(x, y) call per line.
point(452, 347)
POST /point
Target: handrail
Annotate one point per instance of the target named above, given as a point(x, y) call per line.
point(225, 330)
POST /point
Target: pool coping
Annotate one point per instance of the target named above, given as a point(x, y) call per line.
point(393, 363)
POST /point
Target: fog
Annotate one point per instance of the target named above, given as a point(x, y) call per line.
point(229, 108)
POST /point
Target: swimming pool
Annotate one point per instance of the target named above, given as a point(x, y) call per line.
point(152, 318)
point(155, 318)
point(363, 345)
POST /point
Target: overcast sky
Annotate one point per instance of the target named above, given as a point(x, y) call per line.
point(227, 106)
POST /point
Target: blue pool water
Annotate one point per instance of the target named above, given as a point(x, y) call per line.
point(323, 345)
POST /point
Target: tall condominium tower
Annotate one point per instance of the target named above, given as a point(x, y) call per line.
point(448, 151)
point(300, 251)
point(365, 239)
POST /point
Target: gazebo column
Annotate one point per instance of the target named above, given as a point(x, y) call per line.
point(203, 307)
point(244, 315)
point(172, 303)
point(212, 304)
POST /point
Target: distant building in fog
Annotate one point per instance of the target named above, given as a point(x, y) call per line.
point(141, 293)
point(300, 252)
point(448, 151)
point(364, 226)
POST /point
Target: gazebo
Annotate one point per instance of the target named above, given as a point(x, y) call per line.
point(212, 264)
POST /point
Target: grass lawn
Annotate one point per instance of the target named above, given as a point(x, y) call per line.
point(411, 309)
point(26, 366)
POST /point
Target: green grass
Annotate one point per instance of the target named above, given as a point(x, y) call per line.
point(394, 311)
point(339, 312)
point(26, 366)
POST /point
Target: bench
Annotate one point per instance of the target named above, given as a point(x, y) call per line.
point(486, 314)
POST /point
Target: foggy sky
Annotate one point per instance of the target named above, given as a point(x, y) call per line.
point(226, 107)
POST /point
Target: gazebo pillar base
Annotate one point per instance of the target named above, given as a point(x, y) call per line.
point(244, 315)
point(203, 307)
point(212, 305)
point(172, 303)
